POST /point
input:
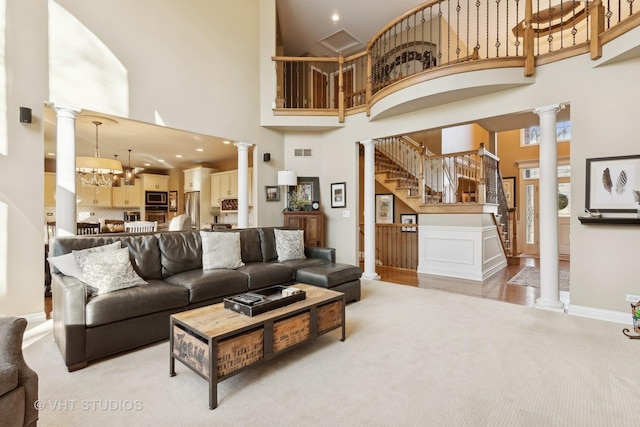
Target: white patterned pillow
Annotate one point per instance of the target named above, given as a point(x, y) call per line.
point(289, 244)
point(107, 271)
point(220, 250)
point(69, 267)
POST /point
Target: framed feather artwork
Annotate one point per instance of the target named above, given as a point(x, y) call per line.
point(613, 184)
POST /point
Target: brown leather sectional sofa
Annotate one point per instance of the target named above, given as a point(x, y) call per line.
point(90, 327)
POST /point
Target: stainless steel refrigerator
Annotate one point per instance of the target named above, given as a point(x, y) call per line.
point(192, 208)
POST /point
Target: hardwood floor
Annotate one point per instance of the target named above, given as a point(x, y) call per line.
point(495, 287)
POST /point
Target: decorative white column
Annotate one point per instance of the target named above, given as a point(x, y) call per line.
point(243, 192)
point(369, 211)
point(66, 208)
point(549, 252)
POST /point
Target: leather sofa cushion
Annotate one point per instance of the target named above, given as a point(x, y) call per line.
point(328, 275)
point(268, 244)
point(8, 377)
point(143, 250)
point(209, 284)
point(180, 251)
point(297, 264)
point(250, 245)
point(133, 302)
point(263, 274)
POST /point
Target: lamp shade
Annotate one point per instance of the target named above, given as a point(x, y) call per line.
point(98, 165)
point(287, 178)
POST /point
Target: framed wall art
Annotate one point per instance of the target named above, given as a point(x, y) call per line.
point(272, 193)
point(339, 195)
point(409, 219)
point(509, 185)
point(307, 189)
point(173, 201)
point(613, 184)
point(384, 208)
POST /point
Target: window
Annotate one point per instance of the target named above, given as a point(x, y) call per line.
point(564, 171)
point(531, 135)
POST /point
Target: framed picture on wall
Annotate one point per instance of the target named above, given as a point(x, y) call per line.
point(339, 195)
point(173, 201)
point(307, 189)
point(272, 193)
point(409, 219)
point(384, 208)
point(613, 184)
point(509, 185)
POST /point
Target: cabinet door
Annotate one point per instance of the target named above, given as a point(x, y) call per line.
point(233, 184)
point(126, 196)
point(215, 190)
point(49, 189)
point(191, 180)
point(92, 196)
point(162, 182)
point(225, 186)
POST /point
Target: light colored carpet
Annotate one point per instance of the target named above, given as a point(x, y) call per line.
point(412, 357)
point(530, 276)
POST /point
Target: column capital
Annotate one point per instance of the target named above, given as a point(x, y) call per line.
point(242, 146)
point(554, 108)
point(368, 142)
point(63, 111)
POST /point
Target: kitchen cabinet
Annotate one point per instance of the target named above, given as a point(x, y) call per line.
point(224, 185)
point(311, 222)
point(154, 182)
point(127, 196)
point(49, 189)
point(92, 196)
point(197, 179)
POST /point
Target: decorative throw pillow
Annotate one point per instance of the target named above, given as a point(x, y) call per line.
point(107, 271)
point(69, 267)
point(220, 250)
point(289, 244)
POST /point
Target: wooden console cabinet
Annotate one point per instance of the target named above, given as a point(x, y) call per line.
point(312, 222)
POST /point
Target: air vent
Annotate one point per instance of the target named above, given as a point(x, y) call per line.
point(340, 41)
point(302, 152)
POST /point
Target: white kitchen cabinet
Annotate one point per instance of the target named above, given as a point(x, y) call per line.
point(92, 196)
point(197, 179)
point(127, 196)
point(224, 185)
point(154, 182)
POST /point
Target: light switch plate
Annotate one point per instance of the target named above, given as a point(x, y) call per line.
point(346, 214)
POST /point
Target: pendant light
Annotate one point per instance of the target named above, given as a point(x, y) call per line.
point(129, 173)
point(97, 171)
point(116, 178)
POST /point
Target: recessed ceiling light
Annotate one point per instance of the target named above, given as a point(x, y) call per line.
point(161, 160)
point(200, 149)
point(147, 164)
point(179, 156)
point(51, 154)
point(226, 142)
point(335, 17)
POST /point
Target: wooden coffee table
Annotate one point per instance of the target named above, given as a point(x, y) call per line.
point(217, 343)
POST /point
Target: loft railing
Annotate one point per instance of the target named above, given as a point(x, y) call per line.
point(443, 37)
point(396, 245)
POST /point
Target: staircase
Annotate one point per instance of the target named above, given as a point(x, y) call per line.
point(460, 183)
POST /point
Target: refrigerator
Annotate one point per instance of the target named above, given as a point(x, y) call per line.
point(192, 208)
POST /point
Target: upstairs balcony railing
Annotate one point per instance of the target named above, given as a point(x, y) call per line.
point(443, 37)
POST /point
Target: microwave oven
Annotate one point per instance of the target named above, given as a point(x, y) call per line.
point(156, 198)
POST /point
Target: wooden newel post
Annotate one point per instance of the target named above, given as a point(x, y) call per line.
point(597, 27)
point(481, 191)
point(340, 88)
point(367, 99)
point(529, 57)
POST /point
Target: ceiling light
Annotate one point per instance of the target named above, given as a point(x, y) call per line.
point(226, 142)
point(335, 17)
point(147, 164)
point(161, 160)
point(51, 154)
point(179, 156)
point(96, 171)
point(200, 149)
point(129, 173)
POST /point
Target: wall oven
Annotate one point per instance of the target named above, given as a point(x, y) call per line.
point(156, 198)
point(160, 216)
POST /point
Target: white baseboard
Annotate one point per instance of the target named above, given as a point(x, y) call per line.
point(34, 319)
point(600, 314)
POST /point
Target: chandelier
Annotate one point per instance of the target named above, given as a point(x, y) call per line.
point(97, 171)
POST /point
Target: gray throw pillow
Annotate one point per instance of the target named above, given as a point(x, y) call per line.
point(69, 267)
point(107, 271)
point(220, 250)
point(289, 244)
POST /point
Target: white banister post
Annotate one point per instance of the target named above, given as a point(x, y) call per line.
point(243, 183)
point(369, 211)
point(549, 252)
point(66, 208)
